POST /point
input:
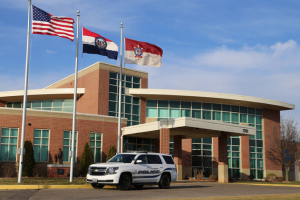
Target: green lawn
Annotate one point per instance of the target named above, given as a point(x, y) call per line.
point(43, 181)
point(264, 182)
point(260, 197)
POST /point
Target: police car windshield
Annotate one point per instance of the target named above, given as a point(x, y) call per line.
point(124, 158)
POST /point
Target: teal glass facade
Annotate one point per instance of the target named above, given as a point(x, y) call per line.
point(138, 144)
point(163, 109)
point(8, 144)
point(64, 105)
point(130, 105)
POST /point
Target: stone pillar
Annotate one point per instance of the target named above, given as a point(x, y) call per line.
point(186, 158)
point(245, 158)
point(164, 141)
point(221, 157)
point(178, 155)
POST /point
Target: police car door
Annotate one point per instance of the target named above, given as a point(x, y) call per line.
point(142, 170)
point(156, 165)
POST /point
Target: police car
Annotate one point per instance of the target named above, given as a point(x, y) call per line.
point(137, 169)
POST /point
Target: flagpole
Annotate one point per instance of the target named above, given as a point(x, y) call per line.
point(21, 150)
point(72, 153)
point(120, 89)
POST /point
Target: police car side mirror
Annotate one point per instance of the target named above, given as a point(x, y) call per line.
point(138, 161)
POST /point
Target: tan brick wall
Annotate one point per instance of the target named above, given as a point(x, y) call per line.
point(271, 119)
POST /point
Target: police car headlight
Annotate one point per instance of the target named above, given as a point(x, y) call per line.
point(112, 170)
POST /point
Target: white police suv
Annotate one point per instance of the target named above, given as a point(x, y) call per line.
point(138, 169)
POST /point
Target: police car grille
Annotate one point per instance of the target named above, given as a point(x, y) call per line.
point(97, 171)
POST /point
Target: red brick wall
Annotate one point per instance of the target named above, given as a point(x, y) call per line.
point(186, 152)
point(215, 152)
point(178, 149)
point(103, 92)
point(143, 111)
point(88, 103)
point(164, 141)
point(58, 125)
point(52, 172)
point(271, 119)
point(220, 150)
point(2, 104)
point(245, 154)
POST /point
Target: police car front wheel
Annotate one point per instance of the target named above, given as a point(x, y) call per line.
point(164, 182)
point(124, 183)
point(97, 186)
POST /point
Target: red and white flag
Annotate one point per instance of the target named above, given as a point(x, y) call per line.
point(46, 24)
point(142, 53)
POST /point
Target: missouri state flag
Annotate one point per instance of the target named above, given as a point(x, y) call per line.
point(142, 53)
point(94, 43)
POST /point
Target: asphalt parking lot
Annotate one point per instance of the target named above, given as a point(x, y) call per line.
point(177, 190)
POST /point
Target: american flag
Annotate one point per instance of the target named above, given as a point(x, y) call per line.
point(46, 24)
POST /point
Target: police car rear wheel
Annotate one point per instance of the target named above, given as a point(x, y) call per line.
point(139, 186)
point(97, 186)
point(124, 183)
point(164, 182)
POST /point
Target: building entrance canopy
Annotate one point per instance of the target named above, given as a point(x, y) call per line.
point(188, 128)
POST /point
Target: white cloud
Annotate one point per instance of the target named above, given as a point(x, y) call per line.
point(50, 52)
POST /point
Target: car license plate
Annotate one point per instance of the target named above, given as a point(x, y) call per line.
point(94, 180)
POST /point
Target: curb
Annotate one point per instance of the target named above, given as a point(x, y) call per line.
point(278, 185)
point(40, 187)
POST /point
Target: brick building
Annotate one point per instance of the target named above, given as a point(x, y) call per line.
point(217, 133)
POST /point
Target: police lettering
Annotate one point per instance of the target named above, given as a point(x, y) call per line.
point(149, 172)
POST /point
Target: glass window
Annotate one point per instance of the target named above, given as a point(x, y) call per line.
point(154, 159)
point(67, 145)
point(225, 107)
point(207, 106)
point(235, 109)
point(151, 103)
point(151, 112)
point(225, 117)
point(207, 115)
point(163, 112)
point(9, 105)
point(113, 75)
point(251, 119)
point(196, 105)
point(186, 104)
point(235, 141)
point(243, 118)
point(216, 106)
point(136, 80)
point(217, 115)
point(174, 104)
point(258, 111)
point(168, 159)
point(185, 113)
point(243, 109)
point(8, 144)
point(174, 113)
point(95, 144)
point(41, 145)
point(251, 111)
point(234, 117)
point(258, 120)
point(143, 158)
point(162, 103)
point(36, 104)
point(196, 114)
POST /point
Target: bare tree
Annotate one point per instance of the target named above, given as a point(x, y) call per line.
point(283, 138)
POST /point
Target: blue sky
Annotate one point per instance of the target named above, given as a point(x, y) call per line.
point(248, 47)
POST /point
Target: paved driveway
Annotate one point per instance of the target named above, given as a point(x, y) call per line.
point(177, 190)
